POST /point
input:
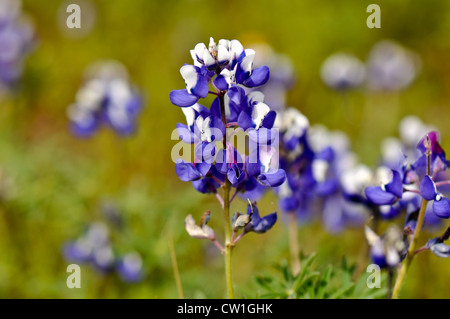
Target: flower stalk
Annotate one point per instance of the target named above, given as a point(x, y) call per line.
point(411, 252)
point(226, 211)
point(228, 244)
point(412, 245)
point(226, 67)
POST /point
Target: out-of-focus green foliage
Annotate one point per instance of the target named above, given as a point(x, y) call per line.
point(53, 183)
point(312, 283)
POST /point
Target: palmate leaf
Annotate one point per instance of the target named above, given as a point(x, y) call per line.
point(323, 282)
point(318, 282)
point(305, 272)
point(341, 292)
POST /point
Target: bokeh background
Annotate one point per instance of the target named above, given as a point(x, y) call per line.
point(54, 184)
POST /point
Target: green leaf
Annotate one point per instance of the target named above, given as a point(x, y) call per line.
point(318, 282)
point(299, 284)
point(342, 291)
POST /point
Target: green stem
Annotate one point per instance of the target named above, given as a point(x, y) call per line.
point(412, 245)
point(228, 243)
point(226, 210)
point(411, 252)
point(176, 271)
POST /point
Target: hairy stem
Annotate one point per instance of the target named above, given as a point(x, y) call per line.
point(226, 210)
point(411, 252)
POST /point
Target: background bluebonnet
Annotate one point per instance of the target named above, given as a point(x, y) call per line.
point(17, 38)
point(106, 97)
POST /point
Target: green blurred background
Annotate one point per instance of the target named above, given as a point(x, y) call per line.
point(55, 182)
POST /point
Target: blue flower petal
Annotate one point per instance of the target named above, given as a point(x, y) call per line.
point(203, 167)
point(250, 184)
point(218, 128)
point(129, 273)
point(327, 187)
point(237, 95)
point(186, 171)
point(134, 105)
point(245, 119)
point(262, 136)
point(215, 108)
point(379, 259)
point(84, 129)
point(253, 190)
point(206, 185)
point(269, 120)
point(265, 223)
point(378, 196)
point(327, 154)
point(395, 186)
point(288, 204)
point(259, 77)
point(273, 179)
point(389, 212)
point(125, 129)
point(221, 162)
point(221, 83)
point(235, 175)
point(185, 134)
point(431, 221)
point(202, 110)
point(182, 98)
point(253, 209)
point(241, 75)
point(74, 252)
point(205, 152)
point(201, 88)
point(441, 207)
point(253, 169)
point(428, 188)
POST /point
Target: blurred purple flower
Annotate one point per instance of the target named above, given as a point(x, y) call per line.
point(130, 268)
point(106, 97)
point(16, 41)
point(342, 71)
point(388, 250)
point(391, 67)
